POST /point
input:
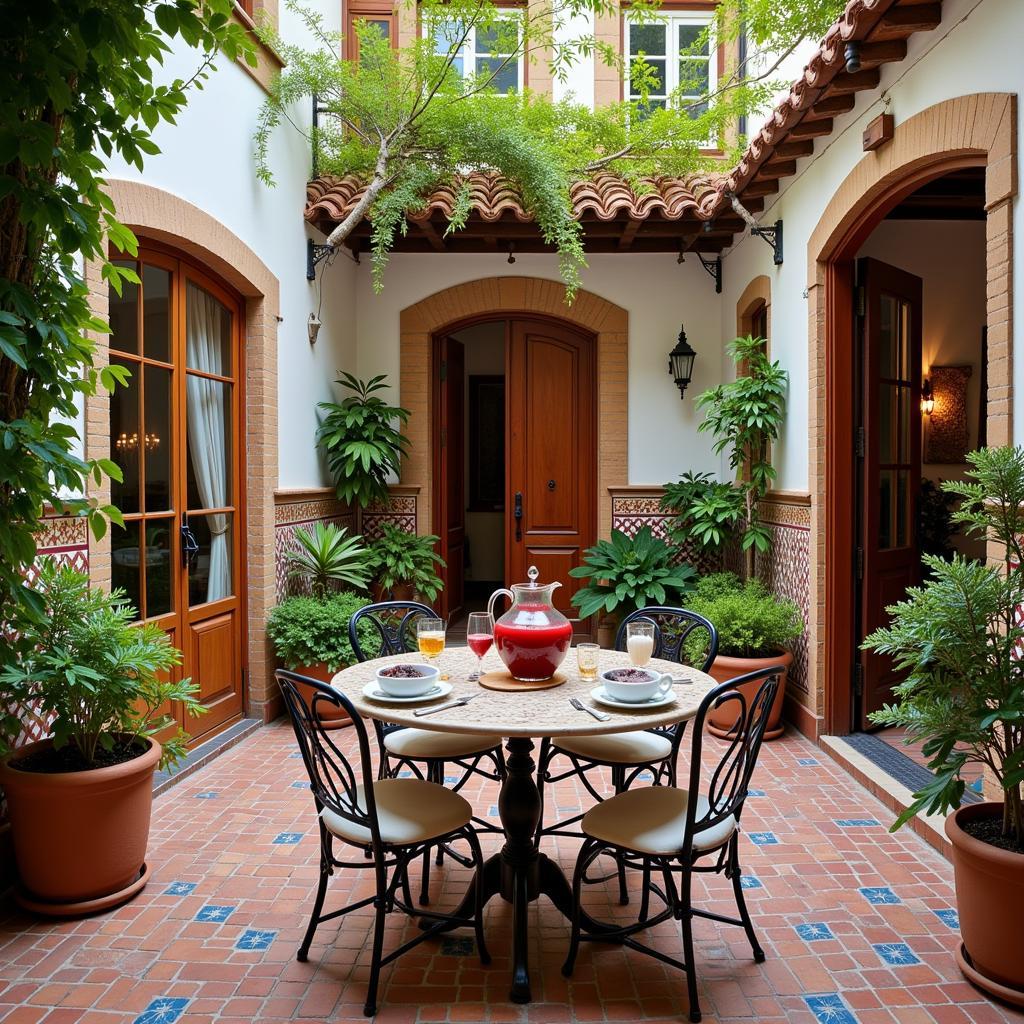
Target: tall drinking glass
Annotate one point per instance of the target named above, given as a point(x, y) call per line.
point(640, 642)
point(430, 637)
point(479, 637)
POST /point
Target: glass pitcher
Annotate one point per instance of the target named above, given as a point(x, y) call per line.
point(533, 636)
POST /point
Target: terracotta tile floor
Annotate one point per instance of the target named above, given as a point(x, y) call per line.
point(855, 922)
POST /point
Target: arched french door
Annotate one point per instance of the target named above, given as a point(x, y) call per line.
point(175, 434)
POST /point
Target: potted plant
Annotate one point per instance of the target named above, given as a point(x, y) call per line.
point(360, 440)
point(404, 565)
point(626, 573)
point(745, 415)
point(755, 629)
point(958, 638)
point(80, 801)
point(327, 559)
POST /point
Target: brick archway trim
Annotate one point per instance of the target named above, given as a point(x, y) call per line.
point(974, 130)
point(497, 298)
point(163, 217)
point(758, 291)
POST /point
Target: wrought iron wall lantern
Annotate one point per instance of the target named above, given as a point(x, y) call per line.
point(680, 362)
point(927, 398)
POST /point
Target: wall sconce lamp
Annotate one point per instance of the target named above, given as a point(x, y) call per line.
point(927, 397)
point(313, 326)
point(680, 362)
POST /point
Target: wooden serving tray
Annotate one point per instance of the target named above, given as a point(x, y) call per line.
point(501, 679)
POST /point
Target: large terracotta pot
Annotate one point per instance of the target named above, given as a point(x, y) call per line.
point(607, 627)
point(79, 837)
point(331, 717)
point(723, 668)
point(990, 902)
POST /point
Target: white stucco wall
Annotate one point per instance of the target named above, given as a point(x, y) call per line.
point(975, 49)
point(206, 159)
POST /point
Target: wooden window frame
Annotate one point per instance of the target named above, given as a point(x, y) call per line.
point(471, 53)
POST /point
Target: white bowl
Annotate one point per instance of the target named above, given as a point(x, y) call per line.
point(638, 691)
point(397, 686)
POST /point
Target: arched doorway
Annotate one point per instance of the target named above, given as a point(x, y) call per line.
point(514, 455)
point(976, 132)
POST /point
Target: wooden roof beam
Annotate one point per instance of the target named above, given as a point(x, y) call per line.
point(905, 20)
point(886, 52)
point(431, 235)
point(845, 83)
point(831, 106)
point(629, 233)
point(793, 150)
point(759, 188)
point(776, 168)
point(811, 129)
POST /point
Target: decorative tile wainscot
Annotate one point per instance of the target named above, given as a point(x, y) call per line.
point(293, 509)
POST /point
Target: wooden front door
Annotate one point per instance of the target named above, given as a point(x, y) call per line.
point(551, 460)
point(174, 431)
point(449, 472)
point(889, 449)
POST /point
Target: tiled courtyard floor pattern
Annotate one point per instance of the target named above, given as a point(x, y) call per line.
point(859, 925)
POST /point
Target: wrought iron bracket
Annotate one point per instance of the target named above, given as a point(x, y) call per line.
point(773, 236)
point(714, 268)
point(314, 255)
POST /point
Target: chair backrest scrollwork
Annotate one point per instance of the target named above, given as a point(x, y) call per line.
point(391, 626)
point(673, 628)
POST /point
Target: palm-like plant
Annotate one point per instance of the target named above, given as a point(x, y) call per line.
point(362, 440)
point(328, 558)
point(627, 573)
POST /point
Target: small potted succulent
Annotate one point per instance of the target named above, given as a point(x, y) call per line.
point(404, 566)
point(626, 573)
point(80, 800)
point(755, 630)
point(958, 638)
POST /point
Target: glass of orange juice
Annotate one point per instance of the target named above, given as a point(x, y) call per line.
point(430, 637)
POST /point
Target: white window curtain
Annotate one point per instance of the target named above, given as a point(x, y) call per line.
point(207, 420)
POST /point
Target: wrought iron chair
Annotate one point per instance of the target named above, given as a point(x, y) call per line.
point(389, 627)
point(628, 755)
point(669, 831)
point(393, 821)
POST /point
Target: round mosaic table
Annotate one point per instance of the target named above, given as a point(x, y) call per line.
point(520, 873)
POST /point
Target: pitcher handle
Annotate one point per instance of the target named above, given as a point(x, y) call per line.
point(501, 592)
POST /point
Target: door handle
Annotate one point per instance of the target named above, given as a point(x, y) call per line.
point(517, 514)
point(189, 545)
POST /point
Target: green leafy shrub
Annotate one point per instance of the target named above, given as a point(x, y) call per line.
point(101, 676)
point(626, 573)
point(328, 558)
point(751, 622)
point(400, 559)
point(359, 439)
point(309, 630)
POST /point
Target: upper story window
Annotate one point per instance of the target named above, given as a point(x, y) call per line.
point(484, 53)
point(379, 17)
point(676, 51)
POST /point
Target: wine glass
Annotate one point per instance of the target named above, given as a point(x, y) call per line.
point(430, 638)
point(479, 637)
point(640, 642)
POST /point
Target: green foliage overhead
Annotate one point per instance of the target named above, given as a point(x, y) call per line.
point(308, 630)
point(401, 559)
point(626, 573)
point(328, 559)
point(362, 439)
point(958, 638)
point(751, 622)
point(81, 84)
point(101, 677)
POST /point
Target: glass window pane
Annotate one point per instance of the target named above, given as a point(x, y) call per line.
point(211, 575)
point(648, 39)
point(157, 441)
point(381, 26)
point(156, 319)
point(125, 573)
point(446, 35)
point(886, 493)
point(903, 508)
point(654, 74)
point(207, 332)
point(208, 411)
point(887, 338)
point(688, 37)
point(123, 313)
point(693, 77)
point(502, 38)
point(125, 428)
point(888, 396)
point(905, 369)
point(500, 80)
point(904, 424)
point(159, 584)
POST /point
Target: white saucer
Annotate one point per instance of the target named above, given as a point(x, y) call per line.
point(599, 694)
point(373, 692)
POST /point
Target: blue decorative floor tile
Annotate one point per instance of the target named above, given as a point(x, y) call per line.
point(750, 882)
point(212, 912)
point(295, 754)
point(301, 784)
point(206, 796)
point(286, 838)
point(492, 811)
point(830, 1009)
point(948, 917)
point(405, 774)
point(855, 822)
point(895, 954)
point(763, 838)
point(814, 931)
point(879, 895)
point(458, 945)
point(807, 762)
point(755, 792)
point(252, 940)
point(163, 1010)
point(180, 889)
point(450, 780)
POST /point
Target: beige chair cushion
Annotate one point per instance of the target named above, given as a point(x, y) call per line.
point(423, 744)
point(619, 748)
point(409, 811)
point(652, 820)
